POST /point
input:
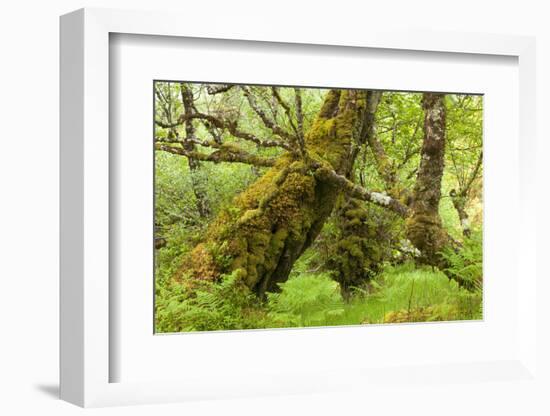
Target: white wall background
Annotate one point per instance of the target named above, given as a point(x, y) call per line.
point(29, 183)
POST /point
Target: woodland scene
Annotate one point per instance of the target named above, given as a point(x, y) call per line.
point(280, 207)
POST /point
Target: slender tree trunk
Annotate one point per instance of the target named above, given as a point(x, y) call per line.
point(460, 197)
point(459, 202)
point(424, 228)
point(194, 165)
point(278, 217)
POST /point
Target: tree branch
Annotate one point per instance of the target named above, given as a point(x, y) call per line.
point(234, 130)
point(286, 107)
point(474, 174)
point(270, 124)
point(193, 140)
point(411, 151)
point(356, 191)
point(217, 89)
point(166, 104)
point(299, 113)
point(164, 125)
point(383, 165)
point(226, 153)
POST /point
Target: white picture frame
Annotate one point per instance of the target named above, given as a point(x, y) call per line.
point(85, 302)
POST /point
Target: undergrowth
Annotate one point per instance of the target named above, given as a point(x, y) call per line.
point(400, 293)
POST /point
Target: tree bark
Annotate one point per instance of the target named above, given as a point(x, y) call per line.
point(460, 197)
point(459, 202)
point(364, 242)
point(423, 227)
point(277, 218)
point(194, 165)
point(359, 249)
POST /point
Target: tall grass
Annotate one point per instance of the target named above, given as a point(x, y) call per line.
point(401, 291)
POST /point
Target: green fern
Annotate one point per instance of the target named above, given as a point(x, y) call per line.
point(466, 265)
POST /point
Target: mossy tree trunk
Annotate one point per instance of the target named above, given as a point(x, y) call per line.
point(278, 217)
point(364, 241)
point(423, 226)
point(362, 235)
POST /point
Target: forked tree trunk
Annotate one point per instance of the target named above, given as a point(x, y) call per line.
point(277, 218)
point(424, 227)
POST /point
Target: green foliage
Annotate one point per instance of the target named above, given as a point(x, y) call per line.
point(464, 135)
point(309, 300)
point(466, 265)
point(222, 305)
point(408, 287)
point(447, 212)
point(402, 293)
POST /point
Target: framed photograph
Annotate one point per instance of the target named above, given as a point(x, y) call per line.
point(280, 213)
point(255, 233)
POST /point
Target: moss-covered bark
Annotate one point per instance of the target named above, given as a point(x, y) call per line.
point(362, 237)
point(364, 241)
point(424, 228)
point(271, 223)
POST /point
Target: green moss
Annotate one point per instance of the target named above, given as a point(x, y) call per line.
point(365, 239)
point(282, 211)
point(331, 137)
point(427, 234)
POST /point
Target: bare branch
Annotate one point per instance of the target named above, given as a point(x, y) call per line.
point(383, 165)
point(474, 174)
point(299, 113)
point(411, 151)
point(165, 101)
point(356, 191)
point(285, 106)
point(224, 154)
point(164, 125)
point(270, 124)
point(234, 130)
point(217, 89)
point(169, 140)
point(298, 131)
point(212, 123)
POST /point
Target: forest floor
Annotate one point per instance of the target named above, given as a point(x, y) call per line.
point(403, 293)
point(399, 294)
